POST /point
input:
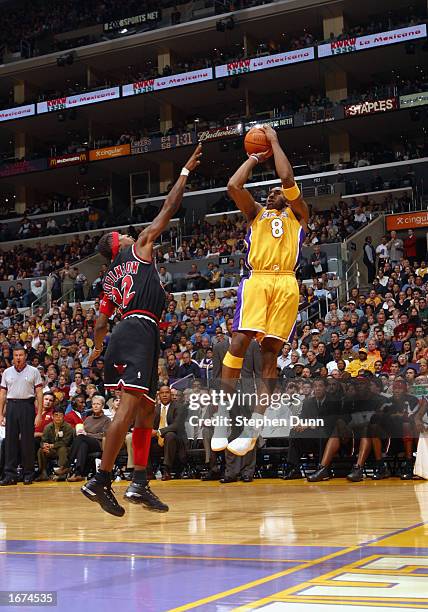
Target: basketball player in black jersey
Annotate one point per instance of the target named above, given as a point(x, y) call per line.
point(132, 287)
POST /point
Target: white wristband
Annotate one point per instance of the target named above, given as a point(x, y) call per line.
point(184, 171)
point(254, 156)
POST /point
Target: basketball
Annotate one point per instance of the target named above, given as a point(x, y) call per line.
point(256, 141)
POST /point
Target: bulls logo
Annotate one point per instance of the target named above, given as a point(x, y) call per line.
point(120, 367)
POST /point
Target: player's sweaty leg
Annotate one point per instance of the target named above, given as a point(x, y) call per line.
point(139, 491)
point(98, 489)
point(125, 415)
point(231, 370)
point(270, 349)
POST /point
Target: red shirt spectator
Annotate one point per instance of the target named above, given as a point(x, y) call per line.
point(410, 245)
point(73, 418)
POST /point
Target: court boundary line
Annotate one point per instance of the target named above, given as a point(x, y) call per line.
point(137, 556)
point(250, 585)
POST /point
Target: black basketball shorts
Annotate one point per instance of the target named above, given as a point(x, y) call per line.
point(131, 360)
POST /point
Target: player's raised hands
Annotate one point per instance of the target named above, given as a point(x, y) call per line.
point(94, 355)
point(261, 157)
point(271, 135)
point(194, 161)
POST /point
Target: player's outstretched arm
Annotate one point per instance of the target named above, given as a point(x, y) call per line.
point(286, 174)
point(101, 329)
point(235, 187)
point(144, 244)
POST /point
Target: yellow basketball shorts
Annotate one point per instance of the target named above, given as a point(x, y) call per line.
point(268, 303)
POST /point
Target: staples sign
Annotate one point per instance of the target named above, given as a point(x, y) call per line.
point(370, 107)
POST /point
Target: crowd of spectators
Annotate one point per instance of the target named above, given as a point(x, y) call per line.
point(368, 355)
point(43, 259)
point(31, 28)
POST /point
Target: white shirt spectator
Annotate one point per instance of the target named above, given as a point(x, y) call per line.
point(382, 251)
point(332, 365)
point(38, 287)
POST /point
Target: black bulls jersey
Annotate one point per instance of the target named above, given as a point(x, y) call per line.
point(132, 286)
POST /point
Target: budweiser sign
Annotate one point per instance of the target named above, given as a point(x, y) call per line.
point(264, 62)
point(223, 132)
point(370, 107)
point(349, 45)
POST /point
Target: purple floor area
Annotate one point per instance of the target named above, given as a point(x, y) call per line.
point(103, 576)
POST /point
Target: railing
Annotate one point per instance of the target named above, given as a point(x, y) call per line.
point(352, 278)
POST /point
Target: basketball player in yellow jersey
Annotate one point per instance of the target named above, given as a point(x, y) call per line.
point(268, 300)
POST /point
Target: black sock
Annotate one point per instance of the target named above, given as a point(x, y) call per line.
point(103, 477)
point(140, 476)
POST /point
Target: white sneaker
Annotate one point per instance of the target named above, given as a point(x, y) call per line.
point(218, 443)
point(242, 444)
point(221, 433)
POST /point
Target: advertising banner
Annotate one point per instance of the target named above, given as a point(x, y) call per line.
point(264, 62)
point(9, 114)
point(223, 132)
point(136, 20)
point(83, 99)
point(70, 159)
point(166, 82)
point(371, 107)
point(278, 123)
point(404, 221)
point(22, 167)
point(414, 99)
point(109, 152)
point(349, 45)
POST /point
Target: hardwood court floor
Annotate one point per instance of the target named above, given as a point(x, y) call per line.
point(270, 545)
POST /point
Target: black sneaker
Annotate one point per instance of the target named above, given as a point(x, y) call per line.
point(141, 493)
point(102, 494)
point(6, 482)
point(322, 473)
point(210, 475)
point(292, 473)
point(381, 472)
point(407, 473)
point(356, 475)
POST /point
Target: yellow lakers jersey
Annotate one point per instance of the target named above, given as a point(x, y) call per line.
point(274, 241)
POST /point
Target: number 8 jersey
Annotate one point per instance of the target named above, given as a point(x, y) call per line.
point(274, 241)
point(132, 287)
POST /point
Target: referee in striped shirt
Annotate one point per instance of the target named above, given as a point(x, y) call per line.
point(21, 385)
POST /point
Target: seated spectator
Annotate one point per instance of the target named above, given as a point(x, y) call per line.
point(56, 443)
point(212, 302)
point(361, 364)
point(361, 403)
point(47, 416)
point(193, 278)
point(89, 438)
point(169, 435)
point(230, 275)
point(166, 278)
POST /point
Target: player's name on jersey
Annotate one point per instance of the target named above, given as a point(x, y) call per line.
point(118, 272)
